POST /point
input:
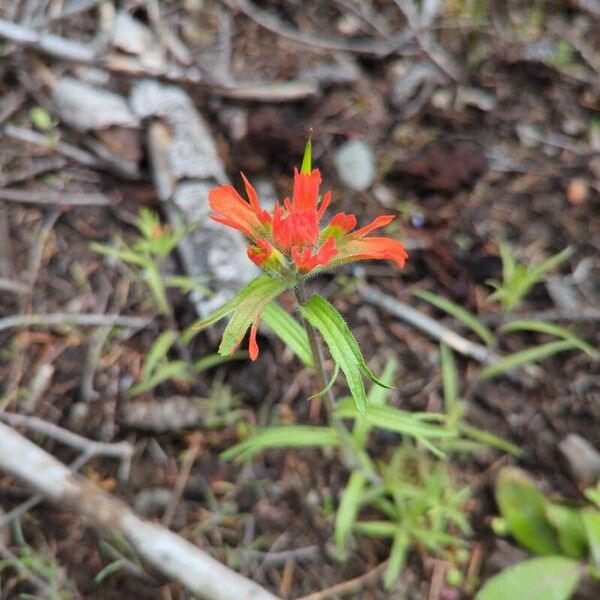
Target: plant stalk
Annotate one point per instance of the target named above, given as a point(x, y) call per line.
point(352, 457)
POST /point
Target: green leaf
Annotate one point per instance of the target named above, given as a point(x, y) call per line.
point(41, 119)
point(171, 370)
point(449, 378)
point(377, 396)
point(153, 279)
point(550, 329)
point(214, 360)
point(342, 345)
point(523, 507)
point(396, 559)
point(255, 286)
point(546, 578)
point(380, 529)
point(459, 313)
point(569, 528)
point(348, 511)
point(111, 568)
point(411, 424)
point(122, 252)
point(307, 159)
point(293, 436)
point(591, 523)
point(247, 312)
point(489, 439)
point(158, 351)
point(289, 331)
point(530, 355)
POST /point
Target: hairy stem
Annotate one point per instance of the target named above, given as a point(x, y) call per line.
point(352, 457)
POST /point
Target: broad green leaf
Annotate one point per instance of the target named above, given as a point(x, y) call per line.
point(214, 360)
point(171, 370)
point(593, 494)
point(591, 523)
point(518, 359)
point(342, 345)
point(348, 511)
point(459, 313)
point(449, 378)
point(550, 329)
point(396, 559)
point(523, 508)
point(377, 396)
point(544, 578)
point(247, 312)
point(262, 282)
point(289, 330)
point(158, 351)
point(569, 527)
point(293, 436)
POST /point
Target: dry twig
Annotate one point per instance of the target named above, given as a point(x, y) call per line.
point(84, 320)
point(170, 554)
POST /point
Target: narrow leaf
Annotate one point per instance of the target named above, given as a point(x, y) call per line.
point(449, 378)
point(214, 360)
point(377, 396)
point(591, 523)
point(459, 313)
point(546, 578)
point(171, 370)
point(261, 282)
point(524, 357)
point(396, 559)
point(550, 329)
point(307, 159)
point(293, 436)
point(247, 312)
point(348, 511)
point(289, 331)
point(158, 351)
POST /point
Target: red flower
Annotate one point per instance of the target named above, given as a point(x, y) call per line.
point(291, 241)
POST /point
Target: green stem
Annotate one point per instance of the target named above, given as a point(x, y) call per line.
point(352, 457)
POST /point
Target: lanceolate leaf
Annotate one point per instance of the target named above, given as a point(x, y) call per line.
point(289, 330)
point(299, 436)
point(257, 286)
point(546, 578)
point(342, 345)
point(523, 357)
point(550, 329)
point(348, 510)
point(458, 312)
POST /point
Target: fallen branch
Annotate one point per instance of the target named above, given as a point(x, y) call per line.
point(89, 320)
point(428, 325)
point(167, 552)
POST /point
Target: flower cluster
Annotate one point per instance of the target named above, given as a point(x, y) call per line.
point(290, 241)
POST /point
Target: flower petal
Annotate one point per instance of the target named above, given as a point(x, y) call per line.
point(373, 248)
point(306, 261)
point(306, 190)
point(377, 223)
point(232, 210)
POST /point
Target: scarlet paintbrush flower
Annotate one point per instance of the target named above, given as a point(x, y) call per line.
point(290, 241)
point(289, 244)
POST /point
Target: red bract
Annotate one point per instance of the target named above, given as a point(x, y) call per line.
point(290, 242)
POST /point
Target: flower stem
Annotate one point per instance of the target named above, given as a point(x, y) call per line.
point(352, 457)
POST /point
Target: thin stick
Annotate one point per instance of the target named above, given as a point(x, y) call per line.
point(347, 587)
point(167, 552)
point(428, 325)
point(52, 197)
point(84, 320)
point(121, 450)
